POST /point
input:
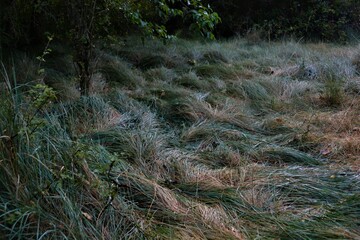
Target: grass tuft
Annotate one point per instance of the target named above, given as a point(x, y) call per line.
point(334, 92)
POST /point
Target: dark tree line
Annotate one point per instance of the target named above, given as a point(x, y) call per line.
point(25, 21)
point(328, 20)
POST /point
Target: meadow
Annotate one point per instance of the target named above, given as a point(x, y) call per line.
point(185, 140)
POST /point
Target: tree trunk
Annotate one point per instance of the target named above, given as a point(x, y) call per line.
point(82, 61)
point(82, 14)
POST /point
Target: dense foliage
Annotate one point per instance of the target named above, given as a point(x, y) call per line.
point(309, 19)
point(24, 22)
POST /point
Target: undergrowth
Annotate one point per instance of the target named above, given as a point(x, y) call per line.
point(186, 140)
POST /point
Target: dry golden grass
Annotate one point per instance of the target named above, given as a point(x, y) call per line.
point(336, 131)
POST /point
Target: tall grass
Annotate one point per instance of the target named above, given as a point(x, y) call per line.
point(187, 140)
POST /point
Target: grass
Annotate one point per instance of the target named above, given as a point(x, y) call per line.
point(188, 140)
